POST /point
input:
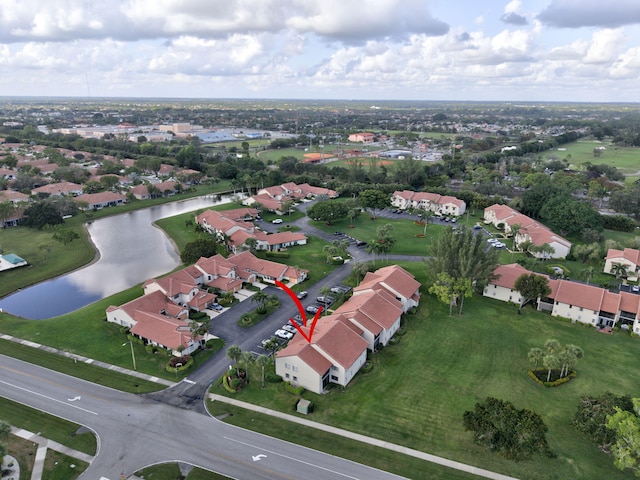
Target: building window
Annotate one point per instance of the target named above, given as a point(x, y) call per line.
point(295, 379)
point(286, 375)
point(287, 365)
point(294, 368)
point(334, 378)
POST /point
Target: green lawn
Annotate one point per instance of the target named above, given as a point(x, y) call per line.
point(626, 159)
point(404, 231)
point(418, 389)
point(53, 428)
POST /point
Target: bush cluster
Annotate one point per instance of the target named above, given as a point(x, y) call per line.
point(555, 383)
point(295, 390)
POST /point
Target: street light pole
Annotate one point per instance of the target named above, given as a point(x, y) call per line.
point(133, 356)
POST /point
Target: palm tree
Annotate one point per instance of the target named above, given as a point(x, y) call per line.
point(619, 270)
point(325, 291)
point(271, 345)
point(535, 355)
point(551, 360)
point(588, 273)
point(330, 251)
point(515, 230)
point(262, 360)
point(261, 298)
point(251, 243)
point(247, 358)
point(353, 214)
point(234, 352)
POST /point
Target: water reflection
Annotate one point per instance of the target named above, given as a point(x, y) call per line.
point(131, 250)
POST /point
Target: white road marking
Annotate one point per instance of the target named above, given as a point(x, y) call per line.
point(48, 398)
point(74, 399)
point(258, 457)
point(291, 458)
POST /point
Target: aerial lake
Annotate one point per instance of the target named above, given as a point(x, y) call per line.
point(131, 251)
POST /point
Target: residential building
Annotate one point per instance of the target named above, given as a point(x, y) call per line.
point(395, 280)
point(362, 137)
point(629, 257)
point(97, 201)
point(59, 189)
point(272, 198)
point(505, 217)
point(340, 341)
point(14, 197)
point(579, 302)
point(335, 354)
point(160, 316)
point(438, 204)
point(234, 228)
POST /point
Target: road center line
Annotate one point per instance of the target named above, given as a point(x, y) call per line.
point(291, 458)
point(47, 397)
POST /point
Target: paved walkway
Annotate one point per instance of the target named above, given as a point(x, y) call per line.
point(41, 453)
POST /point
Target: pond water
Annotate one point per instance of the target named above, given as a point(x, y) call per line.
point(132, 250)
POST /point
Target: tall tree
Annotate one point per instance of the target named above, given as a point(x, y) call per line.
point(626, 449)
point(247, 359)
point(374, 200)
point(531, 287)
point(463, 254)
point(591, 417)
point(535, 355)
point(262, 361)
point(234, 352)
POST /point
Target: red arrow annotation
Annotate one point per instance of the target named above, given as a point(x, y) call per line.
point(303, 315)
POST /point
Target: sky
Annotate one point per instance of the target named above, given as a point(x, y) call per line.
point(457, 50)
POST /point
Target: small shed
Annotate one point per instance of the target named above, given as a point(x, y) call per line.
point(304, 406)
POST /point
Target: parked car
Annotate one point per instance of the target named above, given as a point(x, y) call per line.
point(283, 334)
point(302, 294)
point(340, 289)
point(289, 328)
point(216, 306)
point(276, 220)
point(360, 243)
point(313, 308)
point(326, 299)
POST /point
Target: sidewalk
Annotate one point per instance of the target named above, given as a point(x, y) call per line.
point(41, 453)
point(364, 439)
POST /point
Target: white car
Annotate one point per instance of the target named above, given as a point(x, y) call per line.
point(283, 334)
point(276, 220)
point(289, 328)
point(491, 240)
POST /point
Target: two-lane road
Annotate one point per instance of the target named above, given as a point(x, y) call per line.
point(134, 432)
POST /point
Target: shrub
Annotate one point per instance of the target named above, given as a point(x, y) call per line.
point(151, 348)
point(555, 383)
point(295, 390)
point(235, 383)
point(272, 377)
point(215, 344)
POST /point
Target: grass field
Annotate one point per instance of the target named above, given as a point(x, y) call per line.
point(404, 231)
point(626, 159)
point(53, 428)
point(419, 388)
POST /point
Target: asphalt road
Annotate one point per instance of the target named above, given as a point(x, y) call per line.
point(134, 431)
